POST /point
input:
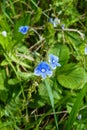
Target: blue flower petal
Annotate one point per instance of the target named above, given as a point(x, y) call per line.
point(49, 73)
point(23, 29)
point(43, 75)
point(37, 72)
point(53, 66)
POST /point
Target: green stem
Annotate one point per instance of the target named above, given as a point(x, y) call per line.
point(51, 100)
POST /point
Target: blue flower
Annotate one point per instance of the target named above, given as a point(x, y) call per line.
point(53, 60)
point(79, 117)
point(4, 33)
point(43, 69)
point(55, 22)
point(51, 20)
point(63, 26)
point(23, 29)
point(85, 50)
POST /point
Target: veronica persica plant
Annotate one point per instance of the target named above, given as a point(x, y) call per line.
point(23, 29)
point(43, 69)
point(53, 60)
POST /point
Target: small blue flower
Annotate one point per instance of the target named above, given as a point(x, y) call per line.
point(23, 29)
point(55, 22)
point(43, 69)
point(63, 26)
point(53, 60)
point(85, 50)
point(4, 33)
point(79, 117)
point(51, 20)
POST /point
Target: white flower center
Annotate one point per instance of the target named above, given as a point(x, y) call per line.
point(43, 70)
point(53, 61)
point(24, 29)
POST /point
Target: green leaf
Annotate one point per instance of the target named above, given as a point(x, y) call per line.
point(25, 75)
point(3, 89)
point(71, 76)
point(18, 61)
point(37, 102)
point(4, 63)
point(5, 42)
point(3, 95)
point(13, 81)
point(64, 54)
point(6, 125)
point(2, 80)
point(44, 94)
